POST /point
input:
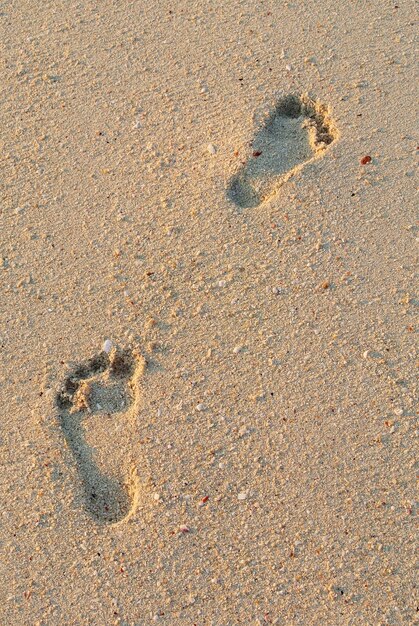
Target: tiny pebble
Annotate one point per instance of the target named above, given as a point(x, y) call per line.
point(237, 349)
point(200, 407)
point(242, 495)
point(398, 411)
point(211, 148)
point(183, 528)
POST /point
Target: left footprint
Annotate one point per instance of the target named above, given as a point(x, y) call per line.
point(98, 404)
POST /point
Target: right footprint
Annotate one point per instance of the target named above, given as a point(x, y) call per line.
point(296, 132)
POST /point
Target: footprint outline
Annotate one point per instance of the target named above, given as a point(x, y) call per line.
point(296, 132)
point(107, 499)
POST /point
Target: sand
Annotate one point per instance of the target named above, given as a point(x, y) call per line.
point(241, 449)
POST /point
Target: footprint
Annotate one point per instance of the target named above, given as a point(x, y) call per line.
point(97, 406)
point(296, 132)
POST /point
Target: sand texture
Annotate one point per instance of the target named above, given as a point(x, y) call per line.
point(207, 313)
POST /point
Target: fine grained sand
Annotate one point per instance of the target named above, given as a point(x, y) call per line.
point(262, 458)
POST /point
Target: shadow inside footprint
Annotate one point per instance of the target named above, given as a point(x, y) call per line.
point(297, 131)
point(101, 388)
point(106, 499)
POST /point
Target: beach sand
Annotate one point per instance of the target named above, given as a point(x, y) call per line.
point(207, 313)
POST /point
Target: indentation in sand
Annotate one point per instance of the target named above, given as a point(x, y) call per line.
point(97, 407)
point(297, 131)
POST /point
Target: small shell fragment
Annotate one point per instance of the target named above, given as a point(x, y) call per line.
point(107, 346)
